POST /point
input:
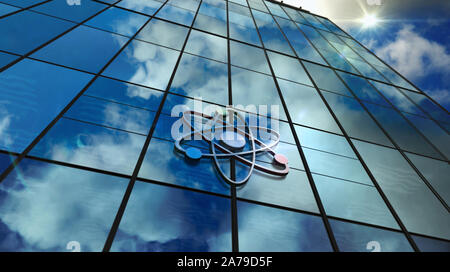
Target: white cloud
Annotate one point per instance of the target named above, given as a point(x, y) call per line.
point(415, 56)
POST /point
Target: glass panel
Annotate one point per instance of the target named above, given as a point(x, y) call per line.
point(164, 33)
point(431, 245)
point(90, 49)
point(143, 63)
point(397, 98)
point(312, 20)
point(355, 120)
point(436, 173)
point(242, 2)
point(359, 238)
point(427, 105)
point(199, 77)
point(5, 9)
point(288, 68)
point(148, 7)
point(212, 17)
point(366, 70)
point(292, 190)
point(29, 100)
point(316, 38)
point(249, 57)
point(6, 59)
point(27, 30)
point(128, 94)
point(5, 161)
point(119, 21)
point(326, 79)
point(436, 135)
point(75, 13)
point(295, 15)
point(354, 201)
point(331, 155)
point(110, 114)
point(400, 131)
point(276, 9)
point(241, 24)
point(270, 33)
point(257, 4)
point(22, 3)
point(301, 46)
point(337, 60)
point(406, 192)
point(159, 219)
point(208, 46)
point(46, 206)
point(394, 77)
point(176, 14)
point(91, 145)
point(362, 89)
point(331, 26)
point(164, 164)
point(269, 229)
point(306, 107)
point(256, 90)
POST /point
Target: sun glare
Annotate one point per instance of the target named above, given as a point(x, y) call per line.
point(369, 20)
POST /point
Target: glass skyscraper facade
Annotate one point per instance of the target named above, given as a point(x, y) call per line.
point(87, 158)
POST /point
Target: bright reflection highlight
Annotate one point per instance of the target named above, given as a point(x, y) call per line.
point(369, 20)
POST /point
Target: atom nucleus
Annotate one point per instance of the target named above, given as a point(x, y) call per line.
point(231, 140)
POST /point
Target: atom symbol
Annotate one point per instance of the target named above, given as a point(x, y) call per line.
point(231, 141)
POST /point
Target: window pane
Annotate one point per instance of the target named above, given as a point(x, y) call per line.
point(90, 49)
point(436, 172)
point(428, 106)
point(6, 59)
point(159, 218)
point(365, 69)
point(206, 45)
point(354, 201)
point(176, 14)
point(276, 9)
point(45, 206)
point(199, 77)
point(5, 9)
point(148, 7)
point(269, 229)
point(91, 145)
point(406, 192)
point(119, 21)
point(431, 245)
point(301, 46)
point(358, 238)
point(288, 68)
point(362, 89)
point(212, 17)
point(331, 155)
point(241, 24)
point(164, 33)
point(270, 33)
point(326, 79)
point(143, 63)
point(22, 3)
point(27, 30)
point(400, 131)
point(5, 161)
point(63, 10)
point(249, 57)
point(355, 120)
point(23, 121)
point(306, 107)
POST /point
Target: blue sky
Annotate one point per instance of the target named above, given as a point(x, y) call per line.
point(412, 36)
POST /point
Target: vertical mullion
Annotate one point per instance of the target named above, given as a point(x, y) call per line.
point(300, 150)
point(140, 160)
point(234, 212)
point(366, 168)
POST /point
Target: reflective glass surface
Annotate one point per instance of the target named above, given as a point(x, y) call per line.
point(431, 245)
point(6, 9)
point(288, 68)
point(269, 229)
point(241, 24)
point(249, 57)
point(401, 185)
point(45, 207)
point(144, 63)
point(189, 222)
point(206, 45)
point(326, 79)
point(75, 13)
point(148, 7)
point(22, 120)
point(212, 17)
point(163, 33)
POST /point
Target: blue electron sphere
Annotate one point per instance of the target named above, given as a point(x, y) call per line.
point(193, 153)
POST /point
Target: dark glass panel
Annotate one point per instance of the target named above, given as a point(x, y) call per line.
point(359, 238)
point(29, 100)
point(416, 205)
point(6, 9)
point(269, 229)
point(90, 49)
point(431, 245)
point(159, 218)
point(45, 206)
